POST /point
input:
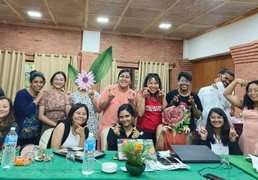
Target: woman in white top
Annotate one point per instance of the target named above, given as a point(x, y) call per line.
point(71, 132)
point(218, 135)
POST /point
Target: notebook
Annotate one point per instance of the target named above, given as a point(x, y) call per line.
point(195, 154)
point(120, 141)
point(79, 153)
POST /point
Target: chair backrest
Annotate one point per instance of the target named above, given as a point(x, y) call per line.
point(104, 134)
point(45, 138)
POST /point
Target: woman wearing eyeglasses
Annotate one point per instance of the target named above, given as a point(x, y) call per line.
point(150, 102)
point(249, 104)
point(184, 96)
point(218, 135)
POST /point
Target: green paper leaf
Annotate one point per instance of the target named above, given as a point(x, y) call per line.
point(102, 64)
point(72, 73)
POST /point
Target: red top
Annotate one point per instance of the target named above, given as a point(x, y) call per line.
point(152, 115)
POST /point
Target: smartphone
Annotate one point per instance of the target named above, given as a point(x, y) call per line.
point(212, 177)
point(167, 161)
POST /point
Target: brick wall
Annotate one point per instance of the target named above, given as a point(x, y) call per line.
point(245, 58)
point(125, 48)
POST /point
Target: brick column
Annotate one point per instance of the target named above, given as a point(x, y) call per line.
point(245, 58)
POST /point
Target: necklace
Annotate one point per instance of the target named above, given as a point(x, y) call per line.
point(184, 95)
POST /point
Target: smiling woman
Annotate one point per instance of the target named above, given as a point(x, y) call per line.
point(71, 132)
point(125, 128)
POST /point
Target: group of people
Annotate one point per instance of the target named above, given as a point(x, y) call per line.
point(147, 114)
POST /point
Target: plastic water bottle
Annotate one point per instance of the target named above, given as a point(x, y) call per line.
point(88, 158)
point(9, 149)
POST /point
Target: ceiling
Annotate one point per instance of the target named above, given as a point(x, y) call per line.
point(189, 18)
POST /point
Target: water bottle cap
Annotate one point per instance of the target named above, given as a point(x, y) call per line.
point(12, 128)
point(91, 134)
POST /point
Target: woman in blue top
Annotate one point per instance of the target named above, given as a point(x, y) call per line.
point(7, 119)
point(26, 109)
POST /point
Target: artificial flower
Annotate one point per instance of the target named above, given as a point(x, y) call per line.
point(178, 117)
point(85, 80)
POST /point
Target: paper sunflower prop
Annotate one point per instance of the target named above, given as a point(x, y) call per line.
point(99, 68)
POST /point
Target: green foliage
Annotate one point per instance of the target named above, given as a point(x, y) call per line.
point(72, 73)
point(99, 68)
point(102, 64)
point(136, 153)
point(183, 124)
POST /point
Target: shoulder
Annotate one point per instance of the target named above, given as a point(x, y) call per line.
point(175, 91)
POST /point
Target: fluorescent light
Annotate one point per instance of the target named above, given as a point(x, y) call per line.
point(164, 26)
point(105, 20)
point(34, 14)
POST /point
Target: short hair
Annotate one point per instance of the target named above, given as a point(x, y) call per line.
point(186, 75)
point(125, 70)
point(225, 70)
point(54, 75)
point(1, 92)
point(74, 108)
point(34, 74)
point(126, 107)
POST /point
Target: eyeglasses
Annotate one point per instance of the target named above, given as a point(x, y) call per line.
point(249, 92)
point(182, 81)
point(216, 117)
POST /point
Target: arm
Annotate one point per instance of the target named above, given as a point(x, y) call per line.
point(106, 97)
point(68, 102)
point(80, 130)
point(232, 98)
point(43, 118)
point(94, 97)
point(57, 136)
point(196, 106)
point(140, 104)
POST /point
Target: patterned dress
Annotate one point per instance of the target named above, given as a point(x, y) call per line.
point(92, 124)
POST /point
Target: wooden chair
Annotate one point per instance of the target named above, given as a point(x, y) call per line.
point(104, 134)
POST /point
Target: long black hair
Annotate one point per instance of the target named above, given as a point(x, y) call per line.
point(224, 132)
point(126, 107)
point(247, 102)
point(72, 111)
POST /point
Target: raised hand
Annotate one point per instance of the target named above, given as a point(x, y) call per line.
point(232, 133)
point(79, 130)
point(191, 100)
point(131, 98)
point(117, 129)
point(145, 92)
point(91, 93)
point(186, 130)
point(161, 93)
point(136, 133)
point(166, 129)
point(203, 132)
point(111, 94)
point(175, 99)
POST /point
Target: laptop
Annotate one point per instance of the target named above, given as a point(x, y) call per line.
point(78, 152)
point(195, 154)
point(120, 141)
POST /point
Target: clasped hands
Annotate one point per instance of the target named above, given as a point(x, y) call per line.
point(190, 100)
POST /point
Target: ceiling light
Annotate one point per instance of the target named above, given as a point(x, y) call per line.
point(164, 26)
point(34, 14)
point(105, 20)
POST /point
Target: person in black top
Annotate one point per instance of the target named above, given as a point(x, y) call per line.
point(218, 134)
point(125, 128)
point(183, 96)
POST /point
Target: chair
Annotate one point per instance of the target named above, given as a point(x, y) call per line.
point(45, 138)
point(104, 134)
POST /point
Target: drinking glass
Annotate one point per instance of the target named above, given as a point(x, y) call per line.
point(31, 157)
point(70, 160)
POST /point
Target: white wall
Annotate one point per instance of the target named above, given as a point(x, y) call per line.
point(220, 40)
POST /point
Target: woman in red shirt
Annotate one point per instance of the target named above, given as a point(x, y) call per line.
point(150, 103)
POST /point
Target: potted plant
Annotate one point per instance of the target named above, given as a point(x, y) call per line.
point(136, 155)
